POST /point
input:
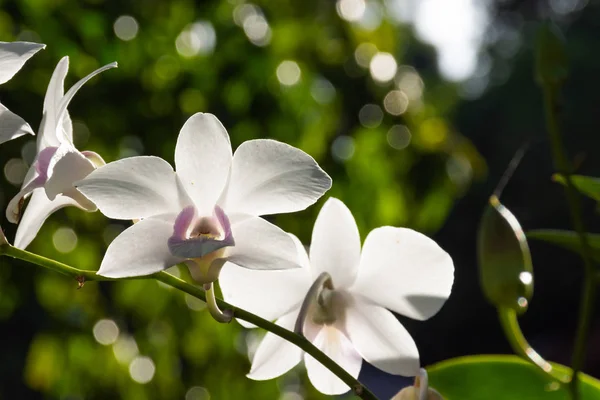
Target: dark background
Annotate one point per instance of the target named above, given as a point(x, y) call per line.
point(462, 140)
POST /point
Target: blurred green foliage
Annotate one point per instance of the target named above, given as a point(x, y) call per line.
point(568, 240)
point(587, 185)
point(405, 168)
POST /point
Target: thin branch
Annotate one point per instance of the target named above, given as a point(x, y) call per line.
point(512, 331)
point(82, 275)
point(588, 294)
point(510, 170)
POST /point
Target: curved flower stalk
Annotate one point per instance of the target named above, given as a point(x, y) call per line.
point(13, 55)
point(208, 211)
point(58, 163)
point(348, 315)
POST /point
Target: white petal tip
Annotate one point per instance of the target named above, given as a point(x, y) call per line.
point(113, 274)
point(38, 46)
point(257, 377)
point(104, 274)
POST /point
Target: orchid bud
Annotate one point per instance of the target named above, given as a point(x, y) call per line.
point(505, 268)
point(420, 391)
point(551, 59)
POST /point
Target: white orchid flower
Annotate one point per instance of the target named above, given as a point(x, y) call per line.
point(349, 320)
point(208, 211)
point(13, 55)
point(58, 163)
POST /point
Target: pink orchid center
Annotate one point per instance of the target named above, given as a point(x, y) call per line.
point(207, 227)
point(200, 238)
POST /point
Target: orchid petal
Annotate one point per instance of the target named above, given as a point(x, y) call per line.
point(39, 208)
point(276, 356)
point(381, 339)
point(15, 205)
point(133, 188)
point(203, 159)
point(36, 177)
point(65, 130)
point(404, 271)
point(140, 249)
point(183, 221)
point(335, 246)
point(66, 167)
point(56, 127)
point(270, 177)
point(269, 294)
point(32, 173)
point(83, 202)
point(13, 56)
point(66, 99)
point(336, 345)
point(94, 157)
point(43, 160)
point(54, 93)
point(12, 126)
point(260, 244)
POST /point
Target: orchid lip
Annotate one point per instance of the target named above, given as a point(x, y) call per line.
point(196, 237)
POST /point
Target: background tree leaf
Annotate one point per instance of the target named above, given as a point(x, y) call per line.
point(567, 240)
point(586, 185)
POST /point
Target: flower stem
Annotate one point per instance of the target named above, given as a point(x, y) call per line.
point(83, 275)
point(588, 294)
point(211, 301)
point(79, 274)
point(512, 331)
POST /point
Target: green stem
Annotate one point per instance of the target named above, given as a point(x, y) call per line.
point(588, 294)
point(82, 275)
point(79, 274)
point(512, 331)
point(211, 302)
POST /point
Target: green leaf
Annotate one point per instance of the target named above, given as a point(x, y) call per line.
point(505, 269)
point(567, 240)
point(586, 185)
point(502, 377)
